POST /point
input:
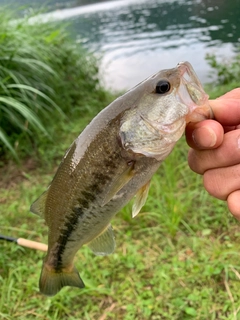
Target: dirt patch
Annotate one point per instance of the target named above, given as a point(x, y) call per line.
point(12, 174)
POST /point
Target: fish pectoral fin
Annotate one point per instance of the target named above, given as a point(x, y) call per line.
point(118, 183)
point(104, 244)
point(51, 281)
point(38, 206)
point(140, 199)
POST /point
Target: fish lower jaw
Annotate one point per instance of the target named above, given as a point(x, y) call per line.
point(172, 128)
point(200, 113)
point(156, 152)
point(160, 148)
point(172, 133)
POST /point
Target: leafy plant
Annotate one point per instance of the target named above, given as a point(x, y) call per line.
point(227, 74)
point(43, 75)
point(228, 71)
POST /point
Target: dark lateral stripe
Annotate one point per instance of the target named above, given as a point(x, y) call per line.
point(69, 226)
point(86, 198)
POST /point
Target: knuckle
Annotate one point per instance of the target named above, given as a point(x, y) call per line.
point(213, 185)
point(195, 162)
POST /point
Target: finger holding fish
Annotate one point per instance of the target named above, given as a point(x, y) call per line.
point(215, 150)
point(209, 134)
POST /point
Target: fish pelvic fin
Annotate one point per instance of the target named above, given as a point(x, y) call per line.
point(38, 206)
point(104, 244)
point(141, 197)
point(52, 281)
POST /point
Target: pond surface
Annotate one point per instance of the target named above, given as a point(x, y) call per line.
point(136, 38)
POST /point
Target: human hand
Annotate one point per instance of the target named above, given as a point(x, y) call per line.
point(215, 150)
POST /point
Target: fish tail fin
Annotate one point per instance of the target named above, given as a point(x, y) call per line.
point(52, 281)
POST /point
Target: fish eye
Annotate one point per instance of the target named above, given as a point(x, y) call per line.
point(163, 86)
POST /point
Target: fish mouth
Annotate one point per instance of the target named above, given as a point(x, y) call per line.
point(195, 107)
point(192, 94)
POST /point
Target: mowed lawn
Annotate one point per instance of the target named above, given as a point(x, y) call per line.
point(178, 259)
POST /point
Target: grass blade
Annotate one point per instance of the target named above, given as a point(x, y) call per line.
point(4, 139)
point(37, 92)
point(29, 115)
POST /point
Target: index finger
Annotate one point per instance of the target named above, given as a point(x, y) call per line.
point(233, 94)
point(226, 110)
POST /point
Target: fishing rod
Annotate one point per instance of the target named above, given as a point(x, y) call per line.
point(26, 243)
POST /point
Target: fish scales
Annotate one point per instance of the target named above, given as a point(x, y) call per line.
point(112, 160)
point(85, 206)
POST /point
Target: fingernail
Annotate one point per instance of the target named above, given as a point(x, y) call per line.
point(204, 137)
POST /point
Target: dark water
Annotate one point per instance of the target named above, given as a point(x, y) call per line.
point(136, 38)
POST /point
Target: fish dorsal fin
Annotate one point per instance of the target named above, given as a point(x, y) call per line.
point(140, 199)
point(103, 244)
point(118, 183)
point(38, 206)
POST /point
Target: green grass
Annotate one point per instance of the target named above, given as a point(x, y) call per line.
point(178, 259)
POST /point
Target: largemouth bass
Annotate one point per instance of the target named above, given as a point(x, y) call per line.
point(110, 162)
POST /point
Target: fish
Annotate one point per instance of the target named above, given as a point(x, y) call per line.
point(110, 162)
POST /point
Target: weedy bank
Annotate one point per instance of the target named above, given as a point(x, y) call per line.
point(45, 78)
point(178, 259)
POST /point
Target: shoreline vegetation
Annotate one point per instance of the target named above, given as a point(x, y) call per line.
point(179, 259)
point(45, 78)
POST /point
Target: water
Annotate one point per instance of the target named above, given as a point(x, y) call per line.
point(136, 38)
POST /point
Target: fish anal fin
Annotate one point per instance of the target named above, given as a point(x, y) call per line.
point(38, 206)
point(104, 244)
point(140, 199)
point(119, 182)
point(51, 281)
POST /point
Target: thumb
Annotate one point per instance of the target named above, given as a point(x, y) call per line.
point(207, 134)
